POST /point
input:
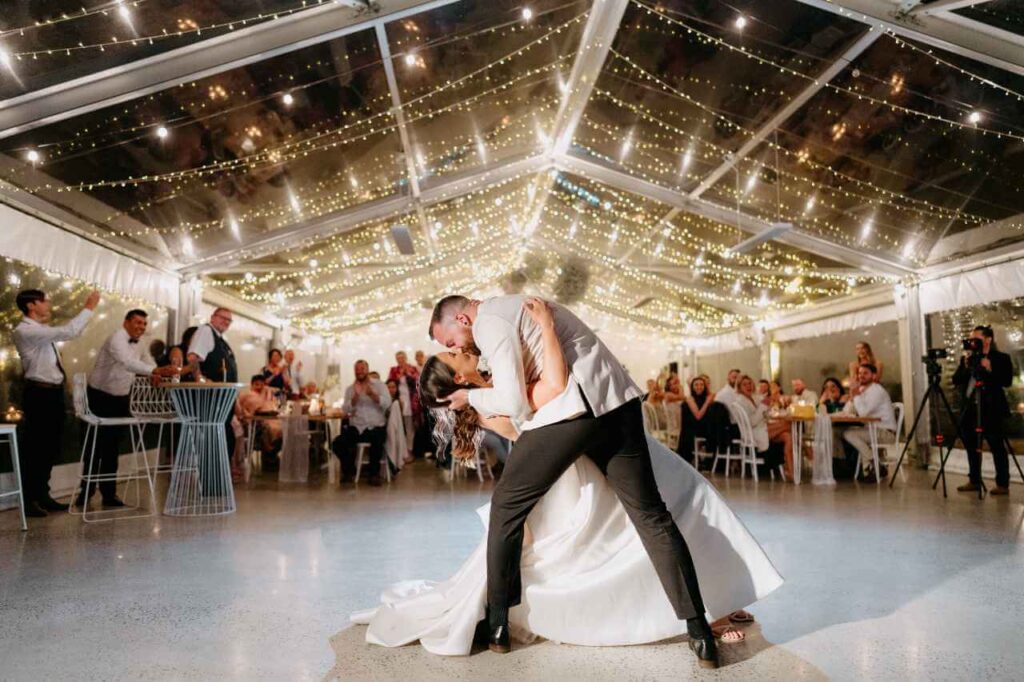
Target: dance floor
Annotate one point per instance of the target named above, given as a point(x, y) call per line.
point(881, 584)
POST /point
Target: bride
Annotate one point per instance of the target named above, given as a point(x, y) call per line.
point(586, 577)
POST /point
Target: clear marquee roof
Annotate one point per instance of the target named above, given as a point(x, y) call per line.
point(682, 165)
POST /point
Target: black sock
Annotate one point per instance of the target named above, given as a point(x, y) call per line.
point(497, 615)
point(698, 628)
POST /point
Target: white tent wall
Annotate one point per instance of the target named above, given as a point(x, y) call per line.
point(717, 365)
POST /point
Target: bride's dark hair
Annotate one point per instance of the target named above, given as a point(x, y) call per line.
point(460, 427)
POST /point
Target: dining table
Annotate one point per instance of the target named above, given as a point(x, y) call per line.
point(796, 425)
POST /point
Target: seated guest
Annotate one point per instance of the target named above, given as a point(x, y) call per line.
point(259, 398)
point(778, 430)
point(396, 447)
point(775, 398)
point(110, 384)
point(694, 407)
point(727, 393)
point(366, 402)
point(654, 394)
point(869, 399)
point(158, 351)
point(831, 397)
point(375, 375)
point(274, 371)
point(864, 356)
point(757, 414)
point(802, 394)
point(764, 387)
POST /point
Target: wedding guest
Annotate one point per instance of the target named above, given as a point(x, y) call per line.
point(779, 431)
point(831, 400)
point(673, 392)
point(375, 375)
point(366, 402)
point(695, 407)
point(259, 398)
point(757, 414)
point(421, 358)
point(109, 389)
point(294, 375)
point(274, 372)
point(775, 399)
point(43, 373)
point(727, 393)
point(864, 356)
point(869, 399)
point(654, 394)
point(763, 389)
point(158, 351)
point(802, 394)
point(210, 352)
point(407, 377)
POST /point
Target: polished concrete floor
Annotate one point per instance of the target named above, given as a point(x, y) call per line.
point(881, 584)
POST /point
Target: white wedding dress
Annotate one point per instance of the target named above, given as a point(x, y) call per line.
point(586, 577)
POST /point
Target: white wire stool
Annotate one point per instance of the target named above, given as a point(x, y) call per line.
point(8, 434)
point(151, 404)
point(201, 476)
point(93, 424)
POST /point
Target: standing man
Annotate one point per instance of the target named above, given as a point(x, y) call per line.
point(110, 385)
point(366, 405)
point(295, 381)
point(44, 376)
point(983, 375)
point(208, 349)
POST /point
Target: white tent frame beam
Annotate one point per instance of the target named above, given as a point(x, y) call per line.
point(747, 223)
point(772, 124)
point(753, 270)
point(916, 7)
point(403, 132)
point(198, 60)
point(357, 216)
point(936, 30)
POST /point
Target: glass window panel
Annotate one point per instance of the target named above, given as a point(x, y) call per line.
point(68, 296)
point(1007, 15)
point(676, 90)
point(481, 85)
point(54, 41)
point(247, 152)
point(947, 329)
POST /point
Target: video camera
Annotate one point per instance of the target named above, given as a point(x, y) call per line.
point(973, 345)
point(931, 359)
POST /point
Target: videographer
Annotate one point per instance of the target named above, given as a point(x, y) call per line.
point(983, 373)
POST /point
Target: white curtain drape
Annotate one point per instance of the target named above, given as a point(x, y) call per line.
point(38, 243)
point(992, 283)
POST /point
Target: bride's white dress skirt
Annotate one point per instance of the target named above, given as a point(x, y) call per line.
point(586, 577)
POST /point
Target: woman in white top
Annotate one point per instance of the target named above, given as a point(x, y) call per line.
point(586, 577)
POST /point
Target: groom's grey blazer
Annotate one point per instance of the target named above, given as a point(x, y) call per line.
point(511, 343)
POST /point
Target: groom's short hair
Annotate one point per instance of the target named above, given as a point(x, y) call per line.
point(446, 306)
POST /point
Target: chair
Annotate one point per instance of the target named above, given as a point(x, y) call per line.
point(363, 457)
point(151, 404)
point(653, 421)
point(8, 434)
point(876, 446)
point(93, 424)
point(673, 423)
point(728, 454)
point(896, 445)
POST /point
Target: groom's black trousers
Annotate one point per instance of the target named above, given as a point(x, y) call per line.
point(617, 444)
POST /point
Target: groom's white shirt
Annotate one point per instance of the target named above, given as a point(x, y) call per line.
point(512, 345)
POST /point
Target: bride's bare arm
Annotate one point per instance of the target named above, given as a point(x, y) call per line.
point(554, 374)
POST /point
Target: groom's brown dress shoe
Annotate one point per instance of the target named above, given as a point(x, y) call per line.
point(707, 651)
point(498, 641)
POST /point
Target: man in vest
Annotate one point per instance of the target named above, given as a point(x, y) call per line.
point(216, 360)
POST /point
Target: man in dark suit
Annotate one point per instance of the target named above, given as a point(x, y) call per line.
point(982, 376)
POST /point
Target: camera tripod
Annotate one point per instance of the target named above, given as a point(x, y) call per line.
point(935, 389)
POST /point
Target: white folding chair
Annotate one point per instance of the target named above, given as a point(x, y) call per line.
point(896, 445)
point(728, 453)
point(93, 424)
point(673, 424)
point(363, 457)
point(8, 434)
point(653, 421)
point(151, 404)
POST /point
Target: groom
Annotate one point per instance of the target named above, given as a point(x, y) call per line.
point(602, 419)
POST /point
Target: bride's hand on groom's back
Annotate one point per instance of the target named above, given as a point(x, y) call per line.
point(539, 310)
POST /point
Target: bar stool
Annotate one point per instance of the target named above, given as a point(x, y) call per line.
point(93, 424)
point(8, 434)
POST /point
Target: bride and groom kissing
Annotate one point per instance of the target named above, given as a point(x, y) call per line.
point(607, 536)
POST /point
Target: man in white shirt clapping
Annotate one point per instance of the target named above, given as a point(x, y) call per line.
point(43, 396)
point(119, 361)
point(869, 399)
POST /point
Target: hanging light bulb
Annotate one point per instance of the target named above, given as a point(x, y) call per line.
point(186, 245)
point(288, 99)
point(5, 58)
point(410, 59)
point(236, 232)
point(687, 160)
point(527, 14)
point(740, 23)
point(752, 181)
point(33, 156)
point(162, 132)
point(314, 263)
point(865, 231)
point(974, 118)
point(810, 204)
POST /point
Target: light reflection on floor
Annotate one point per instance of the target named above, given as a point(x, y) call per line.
point(880, 584)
